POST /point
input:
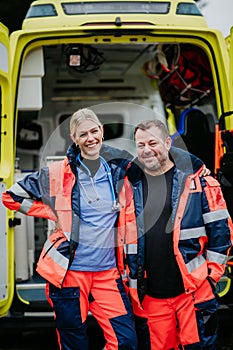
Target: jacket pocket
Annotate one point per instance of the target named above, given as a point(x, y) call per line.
point(53, 264)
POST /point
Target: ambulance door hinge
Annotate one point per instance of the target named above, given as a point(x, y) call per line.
point(3, 117)
point(14, 222)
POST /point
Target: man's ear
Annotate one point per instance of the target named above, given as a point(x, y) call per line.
point(168, 143)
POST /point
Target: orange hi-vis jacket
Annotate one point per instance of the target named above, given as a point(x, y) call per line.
point(50, 193)
point(202, 228)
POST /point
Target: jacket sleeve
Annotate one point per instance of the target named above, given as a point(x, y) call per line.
point(127, 218)
point(124, 202)
point(30, 196)
point(218, 226)
point(128, 234)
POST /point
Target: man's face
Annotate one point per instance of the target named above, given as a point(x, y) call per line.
point(152, 150)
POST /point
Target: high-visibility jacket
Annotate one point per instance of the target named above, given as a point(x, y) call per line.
point(202, 228)
point(50, 193)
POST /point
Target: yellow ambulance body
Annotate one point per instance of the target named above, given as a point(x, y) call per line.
point(128, 61)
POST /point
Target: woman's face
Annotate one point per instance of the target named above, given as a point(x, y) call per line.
point(88, 137)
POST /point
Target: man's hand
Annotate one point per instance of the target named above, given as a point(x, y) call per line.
point(205, 171)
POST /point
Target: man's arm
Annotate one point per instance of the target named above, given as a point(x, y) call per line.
point(218, 226)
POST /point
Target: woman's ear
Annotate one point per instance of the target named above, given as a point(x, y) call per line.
point(72, 138)
point(102, 129)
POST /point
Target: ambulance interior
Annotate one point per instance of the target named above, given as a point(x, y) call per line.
point(124, 84)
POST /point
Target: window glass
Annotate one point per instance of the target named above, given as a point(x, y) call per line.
point(4, 58)
point(113, 125)
point(188, 9)
point(115, 7)
point(47, 10)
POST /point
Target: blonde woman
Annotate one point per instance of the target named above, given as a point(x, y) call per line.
point(79, 260)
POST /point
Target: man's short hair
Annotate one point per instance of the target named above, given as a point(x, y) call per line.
point(147, 124)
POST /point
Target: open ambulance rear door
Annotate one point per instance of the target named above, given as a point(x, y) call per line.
point(224, 140)
point(6, 156)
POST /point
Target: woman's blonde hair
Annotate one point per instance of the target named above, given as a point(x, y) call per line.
point(81, 115)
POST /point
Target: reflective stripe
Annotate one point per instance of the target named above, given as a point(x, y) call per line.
point(57, 257)
point(133, 283)
point(192, 184)
point(47, 245)
point(19, 191)
point(131, 248)
point(26, 206)
point(195, 263)
point(67, 234)
point(215, 215)
point(192, 233)
point(216, 257)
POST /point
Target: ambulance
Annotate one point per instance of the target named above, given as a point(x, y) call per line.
point(128, 61)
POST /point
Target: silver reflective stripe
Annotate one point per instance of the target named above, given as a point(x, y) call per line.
point(192, 233)
point(57, 257)
point(195, 263)
point(130, 248)
point(26, 206)
point(215, 215)
point(67, 234)
point(216, 257)
point(133, 283)
point(192, 184)
point(47, 244)
point(19, 191)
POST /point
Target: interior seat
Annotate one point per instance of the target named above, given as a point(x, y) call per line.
point(196, 133)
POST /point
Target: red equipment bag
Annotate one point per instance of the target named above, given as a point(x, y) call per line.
point(183, 73)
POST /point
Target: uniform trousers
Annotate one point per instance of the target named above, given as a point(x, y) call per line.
point(170, 321)
point(103, 294)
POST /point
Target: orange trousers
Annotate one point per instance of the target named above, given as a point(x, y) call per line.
point(104, 295)
point(169, 320)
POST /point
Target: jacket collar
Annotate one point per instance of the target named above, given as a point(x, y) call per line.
point(185, 161)
point(110, 154)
